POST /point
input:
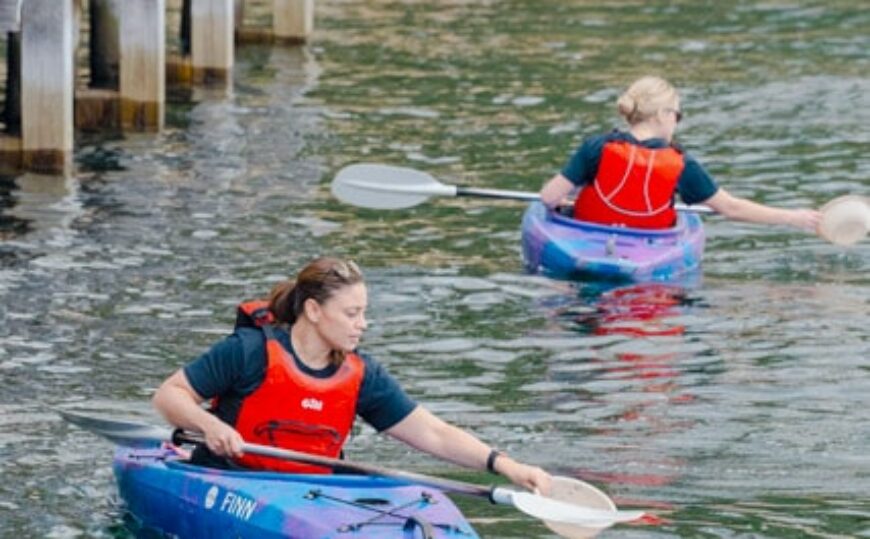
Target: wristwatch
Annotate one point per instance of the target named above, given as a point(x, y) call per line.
point(490, 460)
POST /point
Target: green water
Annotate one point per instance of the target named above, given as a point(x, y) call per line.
point(735, 406)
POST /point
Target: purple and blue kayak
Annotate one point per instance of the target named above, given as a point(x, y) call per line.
point(167, 497)
point(560, 246)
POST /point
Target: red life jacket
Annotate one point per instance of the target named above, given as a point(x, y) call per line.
point(634, 187)
point(293, 410)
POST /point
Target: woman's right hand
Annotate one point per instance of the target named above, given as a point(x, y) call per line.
point(808, 220)
point(223, 440)
point(179, 403)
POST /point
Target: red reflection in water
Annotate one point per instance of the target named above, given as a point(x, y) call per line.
point(638, 310)
point(642, 311)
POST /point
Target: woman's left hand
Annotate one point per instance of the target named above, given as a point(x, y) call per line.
point(805, 219)
point(530, 477)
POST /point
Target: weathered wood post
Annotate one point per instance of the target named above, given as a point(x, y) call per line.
point(10, 140)
point(12, 102)
point(47, 84)
point(293, 20)
point(211, 36)
point(105, 53)
point(96, 107)
point(239, 16)
point(143, 64)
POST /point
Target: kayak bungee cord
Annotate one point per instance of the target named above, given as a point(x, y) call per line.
point(408, 521)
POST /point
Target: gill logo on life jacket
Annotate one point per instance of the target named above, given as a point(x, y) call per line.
point(310, 403)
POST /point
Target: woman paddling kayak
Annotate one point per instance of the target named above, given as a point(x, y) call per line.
point(629, 178)
point(290, 376)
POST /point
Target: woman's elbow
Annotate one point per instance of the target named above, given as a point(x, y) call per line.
point(170, 391)
point(158, 400)
point(555, 190)
point(725, 204)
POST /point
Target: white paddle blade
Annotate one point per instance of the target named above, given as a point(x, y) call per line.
point(845, 220)
point(384, 187)
point(120, 432)
point(556, 511)
point(574, 491)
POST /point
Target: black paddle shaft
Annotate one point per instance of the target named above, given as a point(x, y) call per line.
point(497, 193)
point(180, 436)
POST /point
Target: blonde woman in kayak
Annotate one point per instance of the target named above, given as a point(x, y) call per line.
point(290, 376)
point(629, 178)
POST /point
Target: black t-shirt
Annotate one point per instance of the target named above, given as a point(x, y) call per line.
point(695, 184)
point(235, 366)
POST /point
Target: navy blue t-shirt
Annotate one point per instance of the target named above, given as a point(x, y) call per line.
point(695, 184)
point(234, 367)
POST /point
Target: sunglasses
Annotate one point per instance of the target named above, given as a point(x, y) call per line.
point(678, 114)
point(345, 269)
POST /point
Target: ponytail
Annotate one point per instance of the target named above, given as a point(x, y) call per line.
point(283, 302)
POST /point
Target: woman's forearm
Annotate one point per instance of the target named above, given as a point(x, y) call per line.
point(425, 432)
point(555, 190)
point(741, 209)
point(422, 430)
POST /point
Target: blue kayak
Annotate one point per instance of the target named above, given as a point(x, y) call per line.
point(166, 496)
point(561, 246)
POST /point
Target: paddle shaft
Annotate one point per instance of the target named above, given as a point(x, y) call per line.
point(376, 186)
point(531, 196)
point(337, 464)
point(497, 193)
point(524, 501)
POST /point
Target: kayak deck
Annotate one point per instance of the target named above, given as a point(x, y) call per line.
point(163, 494)
point(565, 247)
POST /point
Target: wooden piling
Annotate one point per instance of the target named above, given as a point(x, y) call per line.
point(142, 70)
point(239, 15)
point(293, 20)
point(12, 101)
point(211, 33)
point(10, 138)
point(104, 56)
point(47, 84)
point(96, 107)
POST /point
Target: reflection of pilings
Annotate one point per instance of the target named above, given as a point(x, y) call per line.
point(47, 84)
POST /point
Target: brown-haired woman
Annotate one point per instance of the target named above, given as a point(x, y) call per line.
point(290, 376)
point(629, 178)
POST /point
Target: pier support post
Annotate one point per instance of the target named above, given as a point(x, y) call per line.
point(293, 20)
point(12, 104)
point(10, 138)
point(143, 59)
point(212, 32)
point(104, 50)
point(96, 107)
point(47, 84)
point(239, 15)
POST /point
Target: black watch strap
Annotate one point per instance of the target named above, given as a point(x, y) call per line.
point(490, 460)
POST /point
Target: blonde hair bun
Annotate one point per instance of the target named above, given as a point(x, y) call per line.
point(645, 97)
